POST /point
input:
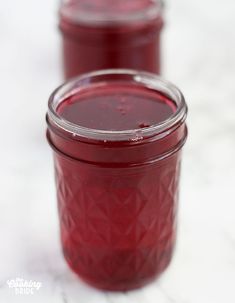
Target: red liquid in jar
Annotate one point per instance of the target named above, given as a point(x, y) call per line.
point(95, 37)
point(117, 107)
point(117, 204)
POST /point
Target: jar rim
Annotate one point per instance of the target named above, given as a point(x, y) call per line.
point(145, 79)
point(152, 12)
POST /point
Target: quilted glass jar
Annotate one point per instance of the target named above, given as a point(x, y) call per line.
point(117, 137)
point(102, 34)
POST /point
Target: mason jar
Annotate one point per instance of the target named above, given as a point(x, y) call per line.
point(103, 34)
point(117, 138)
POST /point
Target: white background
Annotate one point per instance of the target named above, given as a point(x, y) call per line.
point(199, 56)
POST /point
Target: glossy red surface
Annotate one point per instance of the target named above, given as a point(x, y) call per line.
point(117, 199)
point(116, 107)
point(89, 46)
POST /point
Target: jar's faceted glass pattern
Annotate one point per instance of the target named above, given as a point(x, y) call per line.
point(118, 227)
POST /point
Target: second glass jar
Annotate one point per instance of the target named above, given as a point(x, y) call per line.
point(103, 34)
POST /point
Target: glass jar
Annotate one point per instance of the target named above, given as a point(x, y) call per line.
point(117, 186)
point(103, 34)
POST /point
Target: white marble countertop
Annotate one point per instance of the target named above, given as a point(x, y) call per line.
point(199, 56)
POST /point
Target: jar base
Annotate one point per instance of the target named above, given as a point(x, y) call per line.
point(125, 285)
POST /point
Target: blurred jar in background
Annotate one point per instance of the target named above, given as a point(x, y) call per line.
point(103, 34)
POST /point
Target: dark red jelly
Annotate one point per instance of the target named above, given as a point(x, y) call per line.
point(117, 139)
point(102, 34)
